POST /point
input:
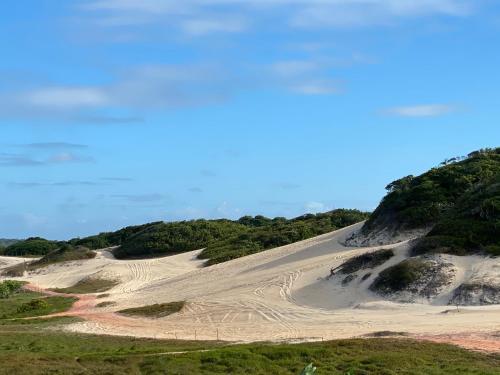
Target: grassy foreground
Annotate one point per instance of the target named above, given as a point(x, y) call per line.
point(32, 349)
point(30, 304)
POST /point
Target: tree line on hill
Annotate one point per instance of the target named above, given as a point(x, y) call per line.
point(221, 239)
point(459, 201)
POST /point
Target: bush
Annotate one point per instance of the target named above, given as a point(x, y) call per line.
point(400, 276)
point(32, 246)
point(9, 287)
point(364, 261)
point(33, 305)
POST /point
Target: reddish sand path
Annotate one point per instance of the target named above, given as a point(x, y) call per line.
point(84, 308)
point(81, 307)
point(474, 341)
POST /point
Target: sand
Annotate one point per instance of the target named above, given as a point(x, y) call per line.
point(280, 294)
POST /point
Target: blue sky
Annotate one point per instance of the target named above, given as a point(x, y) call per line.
point(120, 112)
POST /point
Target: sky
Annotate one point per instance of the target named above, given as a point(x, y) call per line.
point(121, 112)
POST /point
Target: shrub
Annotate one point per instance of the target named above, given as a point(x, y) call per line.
point(9, 287)
point(368, 260)
point(400, 276)
point(35, 304)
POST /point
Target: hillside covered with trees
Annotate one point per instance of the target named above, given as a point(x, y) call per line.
point(222, 239)
point(459, 201)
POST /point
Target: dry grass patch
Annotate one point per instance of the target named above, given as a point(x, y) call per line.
point(88, 285)
point(158, 310)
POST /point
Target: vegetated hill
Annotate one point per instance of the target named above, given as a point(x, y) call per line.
point(33, 246)
point(262, 234)
point(109, 239)
point(63, 253)
point(224, 239)
point(221, 239)
point(4, 242)
point(457, 203)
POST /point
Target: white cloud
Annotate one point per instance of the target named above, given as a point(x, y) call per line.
point(428, 110)
point(67, 97)
point(68, 157)
point(315, 207)
point(203, 26)
point(296, 13)
point(322, 87)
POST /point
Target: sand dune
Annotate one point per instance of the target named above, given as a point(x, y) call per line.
point(280, 294)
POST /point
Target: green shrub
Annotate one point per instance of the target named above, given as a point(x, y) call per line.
point(9, 287)
point(33, 305)
point(32, 246)
point(364, 261)
point(400, 276)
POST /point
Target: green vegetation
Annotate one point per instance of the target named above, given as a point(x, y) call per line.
point(460, 199)
point(35, 246)
point(88, 285)
point(4, 242)
point(170, 238)
point(262, 234)
point(222, 239)
point(309, 370)
point(400, 276)
point(155, 311)
point(21, 304)
point(366, 261)
point(30, 349)
point(64, 253)
point(10, 287)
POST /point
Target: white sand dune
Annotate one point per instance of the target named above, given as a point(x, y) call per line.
point(280, 294)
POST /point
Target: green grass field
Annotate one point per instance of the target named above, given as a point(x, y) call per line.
point(29, 304)
point(38, 346)
point(34, 349)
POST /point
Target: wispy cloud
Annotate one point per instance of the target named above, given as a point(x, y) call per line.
point(15, 160)
point(195, 190)
point(68, 157)
point(305, 77)
point(146, 87)
point(117, 179)
point(288, 185)
point(295, 13)
point(208, 173)
point(427, 110)
point(54, 145)
point(20, 160)
point(140, 198)
point(61, 184)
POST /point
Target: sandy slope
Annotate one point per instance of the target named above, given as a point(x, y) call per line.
point(279, 294)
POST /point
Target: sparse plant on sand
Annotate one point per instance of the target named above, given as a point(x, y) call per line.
point(309, 370)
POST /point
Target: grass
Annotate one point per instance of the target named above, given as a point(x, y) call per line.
point(32, 349)
point(366, 261)
point(30, 304)
point(400, 276)
point(88, 285)
point(56, 256)
point(155, 311)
